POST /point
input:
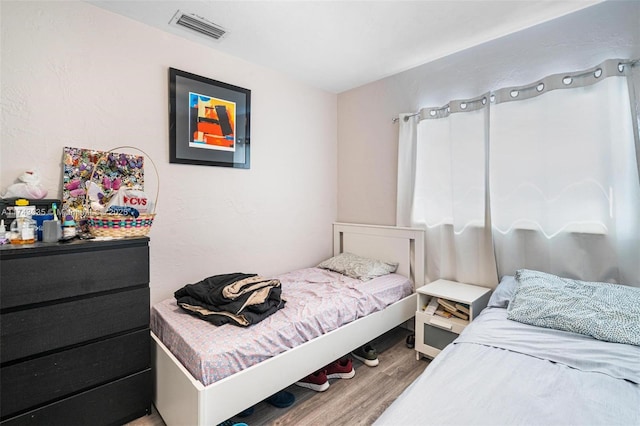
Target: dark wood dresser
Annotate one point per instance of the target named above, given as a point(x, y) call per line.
point(74, 325)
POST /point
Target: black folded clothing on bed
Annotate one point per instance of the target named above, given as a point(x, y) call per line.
point(239, 299)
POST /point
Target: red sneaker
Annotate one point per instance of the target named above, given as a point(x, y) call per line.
point(316, 381)
point(341, 369)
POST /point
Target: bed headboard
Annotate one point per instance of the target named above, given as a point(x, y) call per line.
point(387, 243)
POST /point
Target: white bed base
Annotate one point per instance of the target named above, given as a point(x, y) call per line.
point(182, 400)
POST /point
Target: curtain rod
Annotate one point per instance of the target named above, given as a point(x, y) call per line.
point(608, 67)
point(406, 117)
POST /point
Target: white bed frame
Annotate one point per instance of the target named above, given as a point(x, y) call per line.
point(182, 400)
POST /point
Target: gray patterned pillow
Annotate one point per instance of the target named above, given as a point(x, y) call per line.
point(604, 311)
point(358, 267)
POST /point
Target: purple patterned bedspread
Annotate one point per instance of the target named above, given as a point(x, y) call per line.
point(318, 301)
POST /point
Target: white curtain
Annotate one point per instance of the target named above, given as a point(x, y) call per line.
point(407, 146)
point(548, 173)
point(446, 195)
point(564, 178)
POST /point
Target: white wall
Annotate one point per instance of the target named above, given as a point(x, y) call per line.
point(76, 75)
point(368, 140)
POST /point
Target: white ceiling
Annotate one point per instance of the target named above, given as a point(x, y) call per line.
point(339, 45)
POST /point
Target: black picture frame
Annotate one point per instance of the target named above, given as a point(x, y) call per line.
point(209, 121)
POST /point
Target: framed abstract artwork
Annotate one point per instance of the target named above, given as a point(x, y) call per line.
point(209, 121)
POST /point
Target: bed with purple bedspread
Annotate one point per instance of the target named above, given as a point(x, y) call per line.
point(318, 301)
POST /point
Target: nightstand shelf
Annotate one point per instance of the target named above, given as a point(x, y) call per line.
point(433, 332)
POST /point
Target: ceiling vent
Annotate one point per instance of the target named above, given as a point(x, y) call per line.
point(198, 24)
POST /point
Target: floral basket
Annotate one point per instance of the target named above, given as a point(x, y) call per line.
point(115, 225)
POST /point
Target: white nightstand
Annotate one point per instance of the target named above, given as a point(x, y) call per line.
point(434, 332)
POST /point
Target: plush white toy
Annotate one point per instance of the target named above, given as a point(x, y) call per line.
point(28, 187)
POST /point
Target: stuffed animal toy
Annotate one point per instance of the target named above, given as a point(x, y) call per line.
point(29, 187)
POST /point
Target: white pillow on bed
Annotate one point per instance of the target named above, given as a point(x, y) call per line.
point(361, 268)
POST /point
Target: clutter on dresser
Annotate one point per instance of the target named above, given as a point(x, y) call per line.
point(104, 192)
point(40, 219)
point(23, 227)
point(51, 230)
point(4, 234)
point(20, 216)
point(28, 186)
point(68, 227)
point(98, 175)
point(41, 206)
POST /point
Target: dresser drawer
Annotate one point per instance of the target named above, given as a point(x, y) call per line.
point(112, 404)
point(54, 275)
point(44, 328)
point(38, 381)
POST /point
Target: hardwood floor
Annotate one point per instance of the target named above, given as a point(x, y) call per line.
point(356, 401)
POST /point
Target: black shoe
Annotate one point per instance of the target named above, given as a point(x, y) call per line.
point(281, 399)
point(411, 341)
point(366, 354)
